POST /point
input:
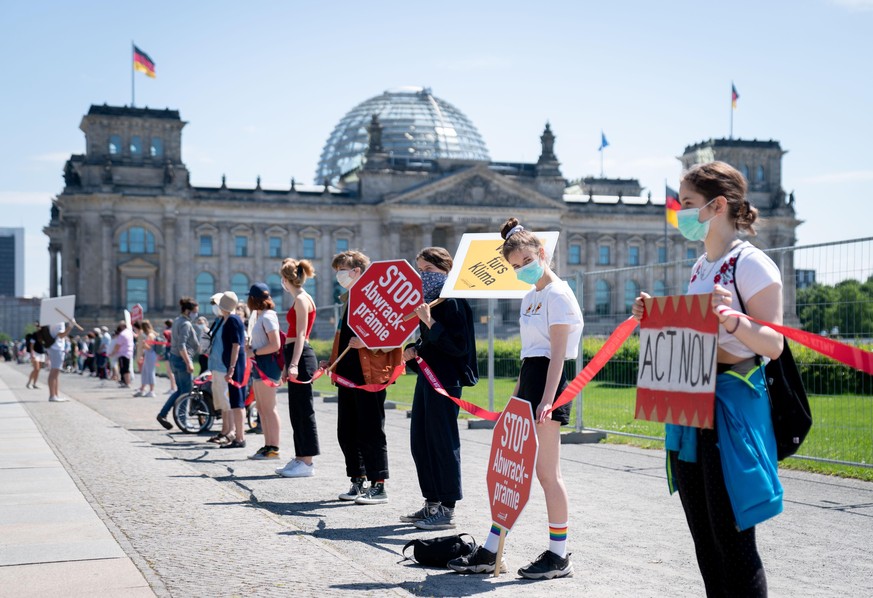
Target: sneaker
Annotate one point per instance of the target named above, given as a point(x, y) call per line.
point(162, 419)
point(234, 444)
point(296, 469)
point(58, 400)
point(442, 518)
point(423, 513)
point(138, 393)
point(265, 452)
point(375, 495)
point(149, 395)
point(171, 391)
point(27, 385)
point(478, 561)
point(34, 386)
point(548, 566)
point(355, 491)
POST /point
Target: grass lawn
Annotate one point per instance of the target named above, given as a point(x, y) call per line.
point(842, 428)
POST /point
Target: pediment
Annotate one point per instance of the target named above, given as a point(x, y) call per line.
point(475, 187)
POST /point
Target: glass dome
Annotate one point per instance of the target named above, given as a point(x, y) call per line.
point(415, 124)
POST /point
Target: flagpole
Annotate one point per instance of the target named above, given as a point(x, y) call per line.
point(132, 77)
point(601, 162)
point(732, 120)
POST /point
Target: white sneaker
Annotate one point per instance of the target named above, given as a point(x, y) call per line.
point(138, 393)
point(171, 391)
point(296, 469)
point(149, 395)
point(58, 400)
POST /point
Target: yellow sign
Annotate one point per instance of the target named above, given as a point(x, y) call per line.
point(479, 269)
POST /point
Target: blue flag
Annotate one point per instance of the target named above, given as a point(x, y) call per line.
point(603, 142)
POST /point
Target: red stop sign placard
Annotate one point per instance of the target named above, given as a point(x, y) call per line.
point(378, 301)
point(512, 463)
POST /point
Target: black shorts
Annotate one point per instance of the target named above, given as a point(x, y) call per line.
point(532, 383)
point(269, 365)
point(123, 365)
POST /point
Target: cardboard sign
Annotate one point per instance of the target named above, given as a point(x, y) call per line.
point(57, 310)
point(127, 319)
point(512, 463)
point(380, 299)
point(677, 368)
point(136, 313)
point(479, 269)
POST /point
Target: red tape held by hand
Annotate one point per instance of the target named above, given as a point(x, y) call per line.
point(337, 379)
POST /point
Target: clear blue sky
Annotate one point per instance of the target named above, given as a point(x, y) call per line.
point(263, 84)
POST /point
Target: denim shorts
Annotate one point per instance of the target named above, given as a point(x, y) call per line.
point(269, 365)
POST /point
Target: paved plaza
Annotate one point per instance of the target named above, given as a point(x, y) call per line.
point(97, 500)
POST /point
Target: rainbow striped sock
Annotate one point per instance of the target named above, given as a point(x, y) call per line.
point(558, 538)
point(493, 540)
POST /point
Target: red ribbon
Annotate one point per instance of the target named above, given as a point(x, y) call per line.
point(846, 354)
point(318, 374)
point(337, 379)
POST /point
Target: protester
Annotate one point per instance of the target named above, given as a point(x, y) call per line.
point(211, 346)
point(122, 353)
point(300, 365)
point(204, 338)
point(183, 348)
point(361, 413)
point(56, 353)
point(550, 329)
point(233, 358)
point(727, 477)
point(147, 358)
point(167, 333)
point(447, 344)
point(36, 352)
point(265, 346)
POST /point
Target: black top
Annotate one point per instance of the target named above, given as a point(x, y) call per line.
point(449, 346)
point(349, 367)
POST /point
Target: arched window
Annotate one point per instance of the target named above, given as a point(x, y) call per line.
point(745, 171)
point(136, 146)
point(157, 148)
point(136, 239)
point(204, 289)
point(631, 292)
point(276, 290)
point(114, 145)
point(310, 287)
point(239, 284)
point(602, 303)
point(660, 288)
point(759, 176)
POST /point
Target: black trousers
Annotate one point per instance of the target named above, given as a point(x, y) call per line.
point(435, 443)
point(300, 403)
point(360, 429)
point(728, 558)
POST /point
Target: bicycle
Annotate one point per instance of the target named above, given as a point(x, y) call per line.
point(194, 413)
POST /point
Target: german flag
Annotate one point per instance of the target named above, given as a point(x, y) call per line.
point(734, 96)
point(142, 63)
point(672, 206)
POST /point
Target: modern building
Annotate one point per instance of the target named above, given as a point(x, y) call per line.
point(401, 171)
point(12, 262)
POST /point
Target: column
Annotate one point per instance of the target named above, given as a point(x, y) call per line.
point(53, 270)
point(224, 252)
point(168, 263)
point(108, 298)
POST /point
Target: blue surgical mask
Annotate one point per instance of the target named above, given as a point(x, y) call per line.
point(531, 272)
point(432, 284)
point(690, 225)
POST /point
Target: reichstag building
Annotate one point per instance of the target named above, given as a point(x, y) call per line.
point(401, 171)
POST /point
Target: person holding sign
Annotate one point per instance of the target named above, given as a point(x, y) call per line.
point(300, 367)
point(551, 328)
point(727, 477)
point(360, 413)
point(447, 344)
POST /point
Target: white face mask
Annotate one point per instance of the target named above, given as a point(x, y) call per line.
point(344, 278)
point(216, 310)
point(286, 285)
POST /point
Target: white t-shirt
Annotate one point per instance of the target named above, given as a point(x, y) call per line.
point(56, 330)
point(555, 304)
point(267, 322)
point(755, 271)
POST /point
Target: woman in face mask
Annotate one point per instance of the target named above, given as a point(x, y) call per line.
point(550, 328)
point(447, 344)
point(727, 477)
point(300, 364)
point(360, 413)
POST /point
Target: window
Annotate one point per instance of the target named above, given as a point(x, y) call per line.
point(157, 148)
point(205, 245)
point(342, 245)
point(603, 255)
point(631, 292)
point(204, 288)
point(660, 289)
point(759, 176)
point(308, 248)
point(136, 146)
point(602, 304)
point(276, 291)
point(309, 287)
point(275, 247)
point(745, 171)
point(239, 284)
point(662, 255)
point(633, 256)
point(114, 145)
point(338, 290)
point(138, 292)
point(690, 253)
point(575, 254)
point(571, 282)
point(136, 239)
point(241, 247)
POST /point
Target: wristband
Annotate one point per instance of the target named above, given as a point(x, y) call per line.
point(735, 327)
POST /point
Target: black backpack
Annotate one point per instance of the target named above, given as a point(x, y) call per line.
point(789, 405)
point(437, 552)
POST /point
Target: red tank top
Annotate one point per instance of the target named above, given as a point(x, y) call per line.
point(291, 318)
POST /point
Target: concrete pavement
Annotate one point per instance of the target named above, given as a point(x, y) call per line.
point(174, 516)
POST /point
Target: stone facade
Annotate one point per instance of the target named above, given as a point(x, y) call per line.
point(129, 228)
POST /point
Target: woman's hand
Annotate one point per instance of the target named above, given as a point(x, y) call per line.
point(543, 411)
point(409, 354)
point(356, 343)
point(291, 371)
point(423, 313)
point(639, 308)
point(720, 297)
